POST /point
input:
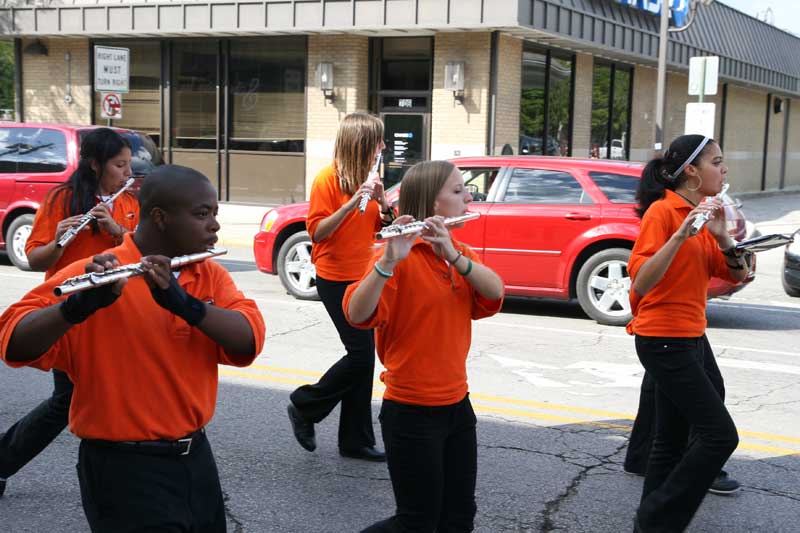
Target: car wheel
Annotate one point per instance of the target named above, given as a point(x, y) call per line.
point(16, 237)
point(788, 289)
point(603, 285)
point(295, 269)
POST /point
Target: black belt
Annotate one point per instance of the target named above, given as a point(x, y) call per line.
point(155, 447)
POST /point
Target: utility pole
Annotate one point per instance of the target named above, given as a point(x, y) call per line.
point(662, 76)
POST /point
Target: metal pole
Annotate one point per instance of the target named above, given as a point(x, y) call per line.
point(662, 76)
point(702, 93)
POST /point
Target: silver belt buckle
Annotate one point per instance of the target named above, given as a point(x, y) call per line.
point(188, 442)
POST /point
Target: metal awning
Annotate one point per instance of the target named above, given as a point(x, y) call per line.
point(751, 52)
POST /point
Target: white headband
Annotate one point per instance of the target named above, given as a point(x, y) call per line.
point(697, 150)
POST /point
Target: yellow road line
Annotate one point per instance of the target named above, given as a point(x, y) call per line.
point(377, 393)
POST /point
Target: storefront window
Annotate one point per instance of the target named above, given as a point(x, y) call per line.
point(194, 96)
point(406, 64)
point(141, 106)
point(610, 111)
point(267, 84)
point(546, 104)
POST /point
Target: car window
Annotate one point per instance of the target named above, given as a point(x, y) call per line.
point(32, 150)
point(534, 186)
point(478, 181)
point(145, 155)
point(618, 188)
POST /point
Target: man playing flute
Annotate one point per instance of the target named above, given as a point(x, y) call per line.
point(143, 355)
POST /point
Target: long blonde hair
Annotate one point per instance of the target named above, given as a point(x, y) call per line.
point(421, 186)
point(357, 142)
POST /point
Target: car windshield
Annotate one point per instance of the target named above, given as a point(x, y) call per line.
point(146, 155)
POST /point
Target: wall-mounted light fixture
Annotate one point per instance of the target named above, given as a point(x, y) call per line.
point(454, 79)
point(325, 80)
point(777, 105)
point(36, 48)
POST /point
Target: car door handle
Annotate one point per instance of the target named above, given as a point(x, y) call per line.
point(578, 216)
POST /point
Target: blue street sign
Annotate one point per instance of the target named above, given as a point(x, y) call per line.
point(679, 9)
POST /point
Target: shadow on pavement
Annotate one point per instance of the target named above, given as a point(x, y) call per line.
point(756, 317)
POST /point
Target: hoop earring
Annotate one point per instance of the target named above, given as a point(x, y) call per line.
point(699, 184)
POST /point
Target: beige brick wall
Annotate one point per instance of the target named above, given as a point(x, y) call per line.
point(44, 82)
point(744, 138)
point(509, 87)
point(792, 178)
point(582, 107)
point(456, 128)
point(350, 57)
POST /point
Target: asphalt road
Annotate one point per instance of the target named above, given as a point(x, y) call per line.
point(555, 394)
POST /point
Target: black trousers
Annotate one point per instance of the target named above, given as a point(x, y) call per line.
point(35, 431)
point(678, 475)
point(644, 426)
point(348, 381)
point(124, 492)
point(432, 453)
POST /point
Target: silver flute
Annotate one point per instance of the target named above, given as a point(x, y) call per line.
point(701, 219)
point(87, 219)
point(362, 203)
point(96, 279)
point(396, 230)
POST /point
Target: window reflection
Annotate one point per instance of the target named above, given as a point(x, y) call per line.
point(618, 188)
point(532, 186)
point(32, 150)
point(610, 111)
point(546, 79)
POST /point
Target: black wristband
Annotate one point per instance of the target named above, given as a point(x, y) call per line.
point(81, 305)
point(176, 300)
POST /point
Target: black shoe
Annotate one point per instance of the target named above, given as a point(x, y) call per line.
point(2, 487)
point(724, 485)
point(367, 453)
point(302, 428)
point(632, 472)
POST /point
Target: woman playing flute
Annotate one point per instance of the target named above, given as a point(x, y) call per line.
point(427, 282)
point(342, 246)
point(670, 271)
point(104, 166)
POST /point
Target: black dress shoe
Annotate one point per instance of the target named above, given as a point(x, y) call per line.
point(2, 487)
point(303, 429)
point(367, 453)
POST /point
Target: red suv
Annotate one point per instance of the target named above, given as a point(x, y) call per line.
point(550, 227)
point(34, 158)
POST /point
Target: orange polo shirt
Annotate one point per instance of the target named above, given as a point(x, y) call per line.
point(140, 372)
point(125, 212)
point(676, 306)
point(344, 254)
point(423, 327)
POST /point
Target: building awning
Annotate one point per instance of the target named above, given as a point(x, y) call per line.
point(750, 51)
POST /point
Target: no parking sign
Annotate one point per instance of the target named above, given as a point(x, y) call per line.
point(111, 105)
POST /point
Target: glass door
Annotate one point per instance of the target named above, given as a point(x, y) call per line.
point(406, 144)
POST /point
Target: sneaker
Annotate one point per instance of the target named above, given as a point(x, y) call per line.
point(724, 485)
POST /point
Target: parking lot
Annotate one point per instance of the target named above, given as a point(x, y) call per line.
point(555, 394)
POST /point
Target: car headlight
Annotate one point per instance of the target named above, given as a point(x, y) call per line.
point(794, 246)
point(269, 219)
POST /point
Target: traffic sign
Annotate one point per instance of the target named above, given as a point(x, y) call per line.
point(700, 119)
point(111, 105)
point(703, 75)
point(111, 69)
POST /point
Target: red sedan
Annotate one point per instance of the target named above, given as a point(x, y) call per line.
point(551, 227)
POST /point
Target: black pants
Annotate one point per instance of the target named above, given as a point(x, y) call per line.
point(35, 431)
point(432, 453)
point(348, 381)
point(125, 492)
point(678, 475)
point(644, 426)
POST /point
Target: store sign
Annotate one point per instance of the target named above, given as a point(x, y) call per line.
point(111, 69)
point(679, 9)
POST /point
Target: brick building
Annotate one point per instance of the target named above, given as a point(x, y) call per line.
point(232, 87)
